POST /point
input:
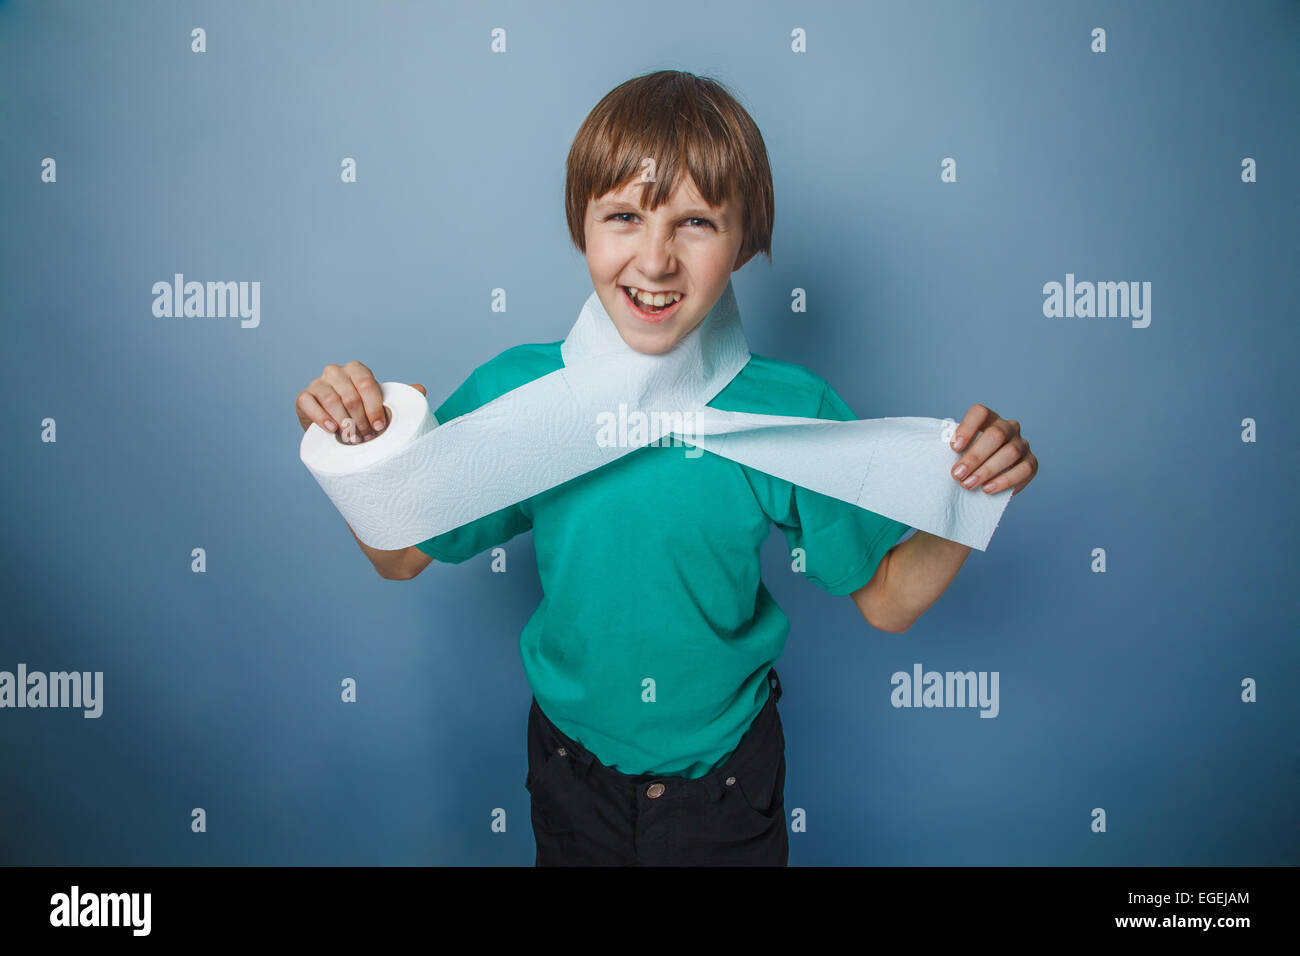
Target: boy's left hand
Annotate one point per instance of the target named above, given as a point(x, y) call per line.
point(999, 454)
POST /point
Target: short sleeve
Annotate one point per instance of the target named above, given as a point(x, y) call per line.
point(461, 544)
point(842, 544)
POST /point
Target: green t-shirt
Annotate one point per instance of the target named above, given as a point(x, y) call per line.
point(650, 566)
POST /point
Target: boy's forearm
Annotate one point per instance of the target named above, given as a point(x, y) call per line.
point(909, 580)
point(391, 565)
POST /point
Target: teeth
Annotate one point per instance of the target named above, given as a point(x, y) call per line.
point(654, 298)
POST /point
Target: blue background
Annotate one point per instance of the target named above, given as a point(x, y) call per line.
point(1118, 690)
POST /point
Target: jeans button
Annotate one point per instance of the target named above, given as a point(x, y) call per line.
point(562, 752)
point(654, 790)
point(731, 781)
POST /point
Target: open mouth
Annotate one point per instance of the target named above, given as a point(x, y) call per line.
point(649, 313)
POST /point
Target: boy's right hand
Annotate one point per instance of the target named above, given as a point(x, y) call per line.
point(347, 393)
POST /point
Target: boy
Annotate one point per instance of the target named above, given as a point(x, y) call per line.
point(653, 734)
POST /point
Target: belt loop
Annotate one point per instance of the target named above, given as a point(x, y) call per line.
point(774, 682)
point(712, 785)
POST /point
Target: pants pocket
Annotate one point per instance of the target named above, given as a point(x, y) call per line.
point(749, 816)
point(557, 793)
point(761, 784)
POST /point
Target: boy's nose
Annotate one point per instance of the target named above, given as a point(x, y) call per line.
point(656, 258)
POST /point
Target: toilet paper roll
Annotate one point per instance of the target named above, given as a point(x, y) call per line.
point(326, 456)
point(344, 471)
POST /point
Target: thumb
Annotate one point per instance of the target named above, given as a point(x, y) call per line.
point(422, 391)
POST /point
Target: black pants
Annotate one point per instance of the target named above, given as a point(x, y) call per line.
point(587, 814)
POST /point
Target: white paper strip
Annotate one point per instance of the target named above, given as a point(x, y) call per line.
point(416, 481)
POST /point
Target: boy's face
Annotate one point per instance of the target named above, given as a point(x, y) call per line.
point(685, 246)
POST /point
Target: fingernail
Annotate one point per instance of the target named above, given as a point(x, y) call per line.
point(329, 425)
point(379, 426)
point(959, 471)
point(969, 482)
point(961, 440)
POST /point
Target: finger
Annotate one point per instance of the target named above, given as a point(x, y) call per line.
point(1015, 478)
point(993, 468)
point(329, 399)
point(308, 406)
point(372, 397)
point(421, 388)
point(971, 423)
point(994, 436)
point(1032, 461)
point(986, 443)
point(351, 399)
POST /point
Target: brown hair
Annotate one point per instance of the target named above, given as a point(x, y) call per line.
point(685, 123)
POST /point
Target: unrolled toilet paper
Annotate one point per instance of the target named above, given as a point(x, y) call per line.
point(419, 479)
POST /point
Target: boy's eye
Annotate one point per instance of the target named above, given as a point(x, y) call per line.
point(689, 219)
